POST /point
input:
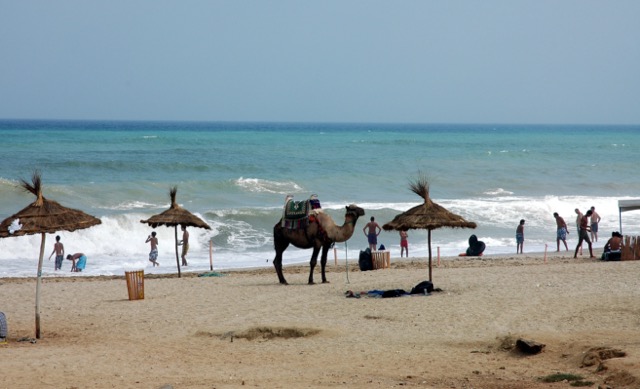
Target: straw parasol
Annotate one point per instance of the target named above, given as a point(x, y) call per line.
point(175, 216)
point(427, 216)
point(41, 217)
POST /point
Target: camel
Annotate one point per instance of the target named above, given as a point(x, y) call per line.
point(321, 232)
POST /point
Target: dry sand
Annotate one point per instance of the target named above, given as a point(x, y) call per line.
point(246, 330)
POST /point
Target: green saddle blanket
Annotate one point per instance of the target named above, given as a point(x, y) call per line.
point(294, 210)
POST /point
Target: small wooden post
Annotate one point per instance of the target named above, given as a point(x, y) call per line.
point(438, 256)
point(545, 253)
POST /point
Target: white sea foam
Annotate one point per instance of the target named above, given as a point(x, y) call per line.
point(498, 192)
point(268, 186)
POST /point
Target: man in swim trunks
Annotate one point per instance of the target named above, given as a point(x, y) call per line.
point(578, 218)
point(595, 219)
point(153, 254)
point(58, 248)
point(81, 261)
point(561, 233)
point(185, 245)
point(371, 231)
point(404, 243)
point(584, 234)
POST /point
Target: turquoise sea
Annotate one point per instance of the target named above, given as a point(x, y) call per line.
point(236, 176)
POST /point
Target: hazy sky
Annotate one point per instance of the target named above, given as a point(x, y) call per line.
point(423, 61)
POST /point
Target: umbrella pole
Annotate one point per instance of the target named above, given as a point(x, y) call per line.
point(38, 284)
point(177, 259)
point(429, 235)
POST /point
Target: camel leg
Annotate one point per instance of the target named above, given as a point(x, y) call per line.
point(277, 263)
point(323, 263)
point(312, 263)
point(280, 244)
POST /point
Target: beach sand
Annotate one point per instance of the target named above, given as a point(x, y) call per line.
point(244, 329)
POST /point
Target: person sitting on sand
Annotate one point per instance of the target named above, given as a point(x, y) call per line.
point(80, 265)
point(612, 248)
point(476, 248)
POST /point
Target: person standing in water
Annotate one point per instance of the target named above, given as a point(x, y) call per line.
point(185, 244)
point(520, 237)
point(153, 254)
point(58, 249)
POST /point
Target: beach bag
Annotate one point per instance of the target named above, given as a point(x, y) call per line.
point(424, 287)
point(364, 261)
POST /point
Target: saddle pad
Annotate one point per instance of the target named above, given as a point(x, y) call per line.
point(294, 210)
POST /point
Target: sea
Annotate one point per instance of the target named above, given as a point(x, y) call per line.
point(236, 176)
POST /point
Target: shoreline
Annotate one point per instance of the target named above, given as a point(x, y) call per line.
point(330, 265)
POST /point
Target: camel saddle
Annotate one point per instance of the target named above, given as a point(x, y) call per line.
point(296, 213)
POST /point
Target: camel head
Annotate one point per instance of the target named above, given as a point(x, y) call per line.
point(354, 211)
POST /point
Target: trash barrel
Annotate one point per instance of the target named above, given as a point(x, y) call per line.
point(135, 284)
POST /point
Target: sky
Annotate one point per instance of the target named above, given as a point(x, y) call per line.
point(509, 61)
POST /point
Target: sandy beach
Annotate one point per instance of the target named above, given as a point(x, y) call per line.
point(243, 329)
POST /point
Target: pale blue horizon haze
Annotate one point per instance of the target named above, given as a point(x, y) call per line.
point(562, 62)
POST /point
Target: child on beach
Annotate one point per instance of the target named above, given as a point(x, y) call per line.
point(153, 254)
point(80, 265)
point(520, 237)
point(58, 248)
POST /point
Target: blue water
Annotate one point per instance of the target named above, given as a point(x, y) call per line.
point(235, 176)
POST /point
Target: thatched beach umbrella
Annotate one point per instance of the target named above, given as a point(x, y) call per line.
point(41, 217)
point(428, 216)
point(175, 216)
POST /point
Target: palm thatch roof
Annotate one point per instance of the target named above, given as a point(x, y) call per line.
point(43, 215)
point(175, 216)
point(426, 216)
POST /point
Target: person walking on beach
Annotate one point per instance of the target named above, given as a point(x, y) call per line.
point(404, 243)
point(520, 237)
point(561, 232)
point(58, 248)
point(584, 234)
point(153, 254)
point(595, 219)
point(371, 231)
point(81, 261)
point(185, 244)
